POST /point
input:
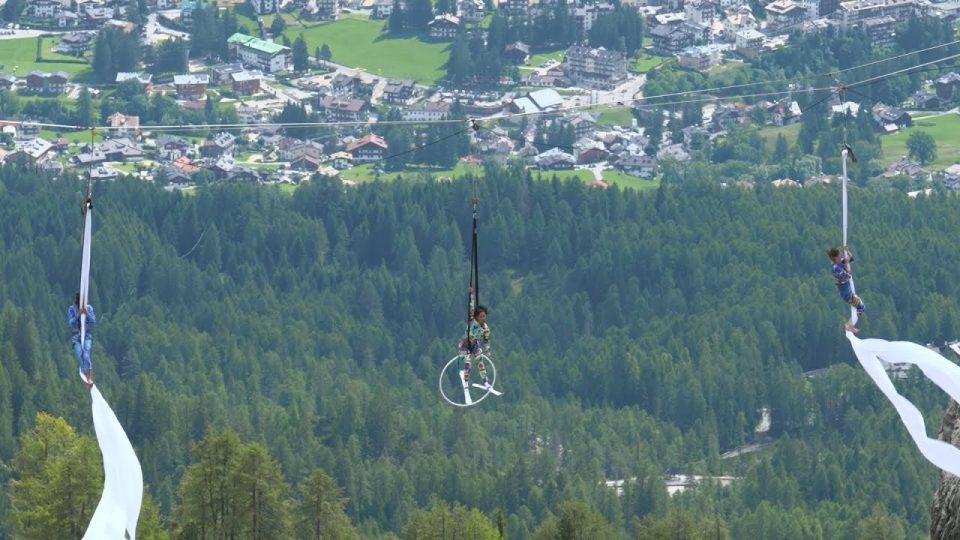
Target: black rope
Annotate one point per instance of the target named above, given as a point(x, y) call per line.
point(88, 202)
point(475, 256)
point(473, 292)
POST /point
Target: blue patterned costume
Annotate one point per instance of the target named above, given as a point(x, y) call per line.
point(81, 352)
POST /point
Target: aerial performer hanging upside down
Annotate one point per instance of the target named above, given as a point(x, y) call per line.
point(82, 351)
point(476, 343)
point(841, 272)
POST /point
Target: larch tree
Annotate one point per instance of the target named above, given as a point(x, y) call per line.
point(58, 476)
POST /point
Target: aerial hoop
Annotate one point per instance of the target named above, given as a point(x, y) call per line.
point(458, 394)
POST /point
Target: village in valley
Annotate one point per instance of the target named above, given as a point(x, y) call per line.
point(190, 92)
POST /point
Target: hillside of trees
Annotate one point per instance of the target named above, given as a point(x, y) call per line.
point(636, 335)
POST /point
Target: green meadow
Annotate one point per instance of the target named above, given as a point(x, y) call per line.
point(361, 43)
point(19, 57)
point(944, 129)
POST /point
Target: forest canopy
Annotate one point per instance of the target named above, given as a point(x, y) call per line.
point(637, 335)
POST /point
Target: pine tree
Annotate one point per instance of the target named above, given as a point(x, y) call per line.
point(301, 57)
point(399, 142)
point(421, 13)
point(86, 115)
point(259, 495)
point(397, 20)
point(102, 57)
point(278, 25)
point(205, 502)
point(58, 479)
point(922, 147)
point(444, 521)
point(460, 68)
point(12, 10)
point(780, 150)
point(320, 513)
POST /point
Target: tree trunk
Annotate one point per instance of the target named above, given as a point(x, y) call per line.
point(945, 509)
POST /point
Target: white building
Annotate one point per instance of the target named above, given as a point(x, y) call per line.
point(429, 111)
point(266, 56)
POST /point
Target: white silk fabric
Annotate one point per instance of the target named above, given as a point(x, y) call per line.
point(119, 507)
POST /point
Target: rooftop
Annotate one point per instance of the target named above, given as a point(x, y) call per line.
point(191, 79)
point(256, 44)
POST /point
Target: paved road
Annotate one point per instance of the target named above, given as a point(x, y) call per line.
point(746, 449)
point(7, 33)
point(625, 93)
point(154, 32)
point(275, 92)
point(934, 114)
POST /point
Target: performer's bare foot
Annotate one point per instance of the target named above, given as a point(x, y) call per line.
point(850, 327)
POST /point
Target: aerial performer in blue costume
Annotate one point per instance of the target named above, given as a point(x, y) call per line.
point(82, 350)
point(841, 260)
point(875, 354)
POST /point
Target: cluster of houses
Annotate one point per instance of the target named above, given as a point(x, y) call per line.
point(179, 157)
point(700, 32)
point(56, 14)
point(36, 82)
point(697, 32)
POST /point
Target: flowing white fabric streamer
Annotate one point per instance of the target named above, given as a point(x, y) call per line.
point(119, 506)
point(873, 352)
point(85, 273)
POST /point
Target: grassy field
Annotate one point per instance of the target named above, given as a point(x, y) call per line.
point(770, 134)
point(614, 116)
point(364, 173)
point(611, 177)
point(19, 57)
point(945, 130)
point(72, 136)
point(644, 62)
point(360, 43)
point(286, 188)
point(246, 19)
point(131, 168)
point(536, 59)
point(579, 174)
point(623, 180)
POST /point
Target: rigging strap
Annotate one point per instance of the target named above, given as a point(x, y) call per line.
point(473, 292)
point(844, 154)
point(87, 211)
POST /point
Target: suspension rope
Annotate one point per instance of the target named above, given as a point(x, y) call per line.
point(473, 291)
point(93, 134)
point(85, 272)
point(475, 272)
point(844, 153)
point(86, 210)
